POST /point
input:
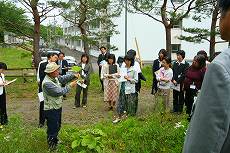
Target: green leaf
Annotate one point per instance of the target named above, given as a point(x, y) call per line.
point(89, 141)
point(98, 149)
point(75, 143)
point(76, 69)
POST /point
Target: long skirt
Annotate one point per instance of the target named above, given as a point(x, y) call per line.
point(111, 91)
point(127, 102)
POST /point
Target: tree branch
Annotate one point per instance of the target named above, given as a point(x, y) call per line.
point(144, 13)
point(42, 15)
point(176, 9)
point(45, 17)
point(26, 5)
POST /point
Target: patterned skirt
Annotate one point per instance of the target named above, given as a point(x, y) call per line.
point(111, 91)
point(127, 102)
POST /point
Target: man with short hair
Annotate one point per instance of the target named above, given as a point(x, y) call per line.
point(179, 68)
point(209, 129)
point(51, 57)
point(63, 64)
point(53, 97)
point(102, 58)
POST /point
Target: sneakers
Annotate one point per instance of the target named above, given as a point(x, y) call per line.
point(116, 120)
point(84, 106)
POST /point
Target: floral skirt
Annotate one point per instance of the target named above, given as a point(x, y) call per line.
point(111, 91)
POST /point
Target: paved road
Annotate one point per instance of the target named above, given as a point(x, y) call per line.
point(77, 56)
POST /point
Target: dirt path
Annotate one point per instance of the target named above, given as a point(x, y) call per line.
point(95, 112)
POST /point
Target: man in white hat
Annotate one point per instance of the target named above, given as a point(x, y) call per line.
point(53, 96)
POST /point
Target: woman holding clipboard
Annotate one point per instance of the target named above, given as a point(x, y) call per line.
point(110, 75)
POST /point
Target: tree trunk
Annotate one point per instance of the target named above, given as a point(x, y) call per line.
point(168, 40)
point(36, 37)
point(84, 39)
point(213, 31)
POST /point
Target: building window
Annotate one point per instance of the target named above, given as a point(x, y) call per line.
point(176, 47)
point(178, 25)
point(78, 43)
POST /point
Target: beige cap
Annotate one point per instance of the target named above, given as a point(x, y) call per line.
point(51, 67)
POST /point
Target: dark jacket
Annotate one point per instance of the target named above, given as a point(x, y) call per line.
point(179, 71)
point(42, 73)
point(87, 70)
point(156, 66)
point(64, 65)
point(194, 76)
point(101, 57)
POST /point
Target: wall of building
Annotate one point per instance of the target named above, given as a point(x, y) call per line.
point(151, 36)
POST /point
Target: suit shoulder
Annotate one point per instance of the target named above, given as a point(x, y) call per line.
point(222, 60)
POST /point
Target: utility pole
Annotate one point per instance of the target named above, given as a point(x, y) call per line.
point(126, 24)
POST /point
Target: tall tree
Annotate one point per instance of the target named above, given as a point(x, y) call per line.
point(40, 12)
point(199, 35)
point(85, 14)
point(166, 12)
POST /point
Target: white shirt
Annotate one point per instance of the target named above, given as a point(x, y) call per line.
point(2, 80)
point(166, 74)
point(182, 62)
point(83, 67)
point(136, 67)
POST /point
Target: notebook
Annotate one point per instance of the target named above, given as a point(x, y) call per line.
point(112, 69)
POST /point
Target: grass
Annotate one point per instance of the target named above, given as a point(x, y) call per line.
point(153, 134)
point(15, 58)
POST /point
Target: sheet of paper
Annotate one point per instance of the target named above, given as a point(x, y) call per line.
point(123, 73)
point(82, 84)
point(177, 87)
point(40, 96)
point(9, 82)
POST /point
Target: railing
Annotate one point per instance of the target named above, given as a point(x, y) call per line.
point(21, 72)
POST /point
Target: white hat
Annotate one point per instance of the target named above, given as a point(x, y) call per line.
point(51, 67)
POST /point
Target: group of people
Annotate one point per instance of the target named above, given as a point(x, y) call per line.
point(209, 129)
point(185, 80)
point(54, 83)
point(120, 80)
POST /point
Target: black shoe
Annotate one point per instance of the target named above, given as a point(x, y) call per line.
point(52, 142)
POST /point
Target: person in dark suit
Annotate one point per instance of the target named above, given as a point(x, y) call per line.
point(156, 66)
point(179, 69)
point(51, 57)
point(209, 129)
point(85, 75)
point(63, 64)
point(102, 57)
